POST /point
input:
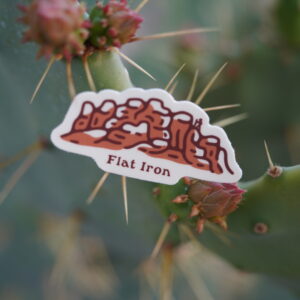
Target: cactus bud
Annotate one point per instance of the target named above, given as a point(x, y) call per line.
point(213, 201)
point(58, 26)
point(116, 22)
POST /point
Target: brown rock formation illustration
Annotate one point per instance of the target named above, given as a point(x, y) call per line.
point(150, 127)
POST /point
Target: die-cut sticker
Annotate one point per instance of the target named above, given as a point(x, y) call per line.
point(146, 134)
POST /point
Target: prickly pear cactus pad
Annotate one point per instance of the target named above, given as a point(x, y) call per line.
point(266, 227)
point(69, 230)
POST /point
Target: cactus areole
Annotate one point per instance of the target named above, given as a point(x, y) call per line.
point(146, 134)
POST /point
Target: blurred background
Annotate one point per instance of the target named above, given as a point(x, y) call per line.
point(53, 245)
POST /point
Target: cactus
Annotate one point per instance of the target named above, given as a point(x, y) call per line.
point(262, 227)
point(266, 219)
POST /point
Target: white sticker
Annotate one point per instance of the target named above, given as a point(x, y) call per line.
point(146, 134)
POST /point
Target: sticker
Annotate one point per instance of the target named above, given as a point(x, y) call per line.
point(146, 134)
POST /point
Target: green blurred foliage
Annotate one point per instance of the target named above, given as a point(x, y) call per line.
point(287, 18)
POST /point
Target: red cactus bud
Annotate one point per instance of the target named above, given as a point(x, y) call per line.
point(212, 201)
point(215, 199)
point(57, 26)
point(115, 21)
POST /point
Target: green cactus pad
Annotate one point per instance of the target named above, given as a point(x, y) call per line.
point(264, 232)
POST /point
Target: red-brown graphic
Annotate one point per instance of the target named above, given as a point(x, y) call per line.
point(150, 127)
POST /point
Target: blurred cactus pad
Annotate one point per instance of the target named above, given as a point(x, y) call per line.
point(53, 245)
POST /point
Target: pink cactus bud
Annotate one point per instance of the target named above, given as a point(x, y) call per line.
point(211, 201)
point(118, 24)
point(215, 199)
point(57, 26)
